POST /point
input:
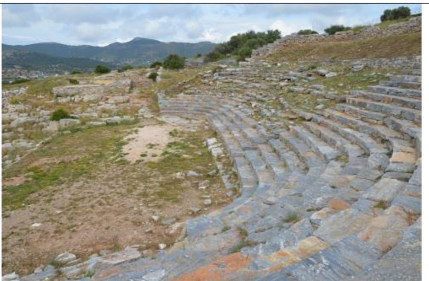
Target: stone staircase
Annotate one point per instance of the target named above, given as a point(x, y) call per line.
point(334, 197)
point(337, 197)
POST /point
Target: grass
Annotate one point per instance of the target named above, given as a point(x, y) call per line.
point(386, 24)
point(381, 205)
point(244, 242)
point(85, 160)
point(392, 46)
point(225, 229)
point(351, 80)
point(291, 218)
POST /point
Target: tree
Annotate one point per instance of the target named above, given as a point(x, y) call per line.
point(398, 13)
point(335, 28)
point(307, 32)
point(173, 62)
point(235, 46)
point(156, 64)
point(101, 69)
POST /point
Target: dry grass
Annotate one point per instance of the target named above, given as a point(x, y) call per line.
point(383, 47)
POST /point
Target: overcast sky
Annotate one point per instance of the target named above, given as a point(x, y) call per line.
point(101, 24)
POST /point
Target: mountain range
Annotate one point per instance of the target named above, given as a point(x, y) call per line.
point(139, 51)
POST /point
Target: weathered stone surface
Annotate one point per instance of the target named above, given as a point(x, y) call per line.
point(338, 204)
point(403, 262)
point(386, 231)
point(384, 190)
point(342, 224)
point(410, 204)
point(129, 254)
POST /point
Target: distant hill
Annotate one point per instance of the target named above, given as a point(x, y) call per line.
point(49, 64)
point(139, 51)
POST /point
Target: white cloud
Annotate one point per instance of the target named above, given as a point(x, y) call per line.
point(101, 23)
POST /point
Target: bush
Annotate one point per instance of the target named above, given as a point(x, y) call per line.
point(73, 82)
point(125, 68)
point(153, 76)
point(307, 32)
point(198, 55)
point(243, 53)
point(101, 69)
point(240, 43)
point(173, 62)
point(335, 28)
point(20, 80)
point(59, 114)
point(156, 64)
point(398, 13)
point(76, 72)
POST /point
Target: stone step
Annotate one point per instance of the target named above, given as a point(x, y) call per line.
point(319, 146)
point(302, 150)
point(293, 163)
point(377, 131)
point(274, 162)
point(341, 261)
point(334, 139)
point(401, 84)
point(368, 116)
point(406, 78)
point(406, 127)
point(403, 262)
point(397, 111)
point(369, 145)
point(394, 91)
point(417, 72)
point(402, 101)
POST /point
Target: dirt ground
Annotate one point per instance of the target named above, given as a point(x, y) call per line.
point(98, 190)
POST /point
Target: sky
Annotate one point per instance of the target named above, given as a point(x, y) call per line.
point(102, 24)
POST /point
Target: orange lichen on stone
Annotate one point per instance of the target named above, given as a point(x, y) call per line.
point(219, 269)
point(291, 255)
point(338, 204)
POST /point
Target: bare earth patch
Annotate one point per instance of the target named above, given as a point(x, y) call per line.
point(148, 142)
point(98, 201)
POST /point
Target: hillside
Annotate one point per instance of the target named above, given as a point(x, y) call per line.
point(303, 162)
point(49, 64)
point(139, 51)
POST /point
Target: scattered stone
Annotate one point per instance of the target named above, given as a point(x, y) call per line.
point(192, 174)
point(36, 225)
point(65, 257)
point(195, 210)
point(162, 246)
point(207, 202)
point(155, 218)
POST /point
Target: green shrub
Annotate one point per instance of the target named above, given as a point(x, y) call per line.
point(335, 28)
point(307, 32)
point(243, 53)
point(73, 82)
point(101, 69)
point(156, 64)
point(125, 68)
point(398, 13)
point(236, 43)
point(198, 55)
point(173, 61)
point(76, 72)
point(153, 76)
point(20, 80)
point(59, 114)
